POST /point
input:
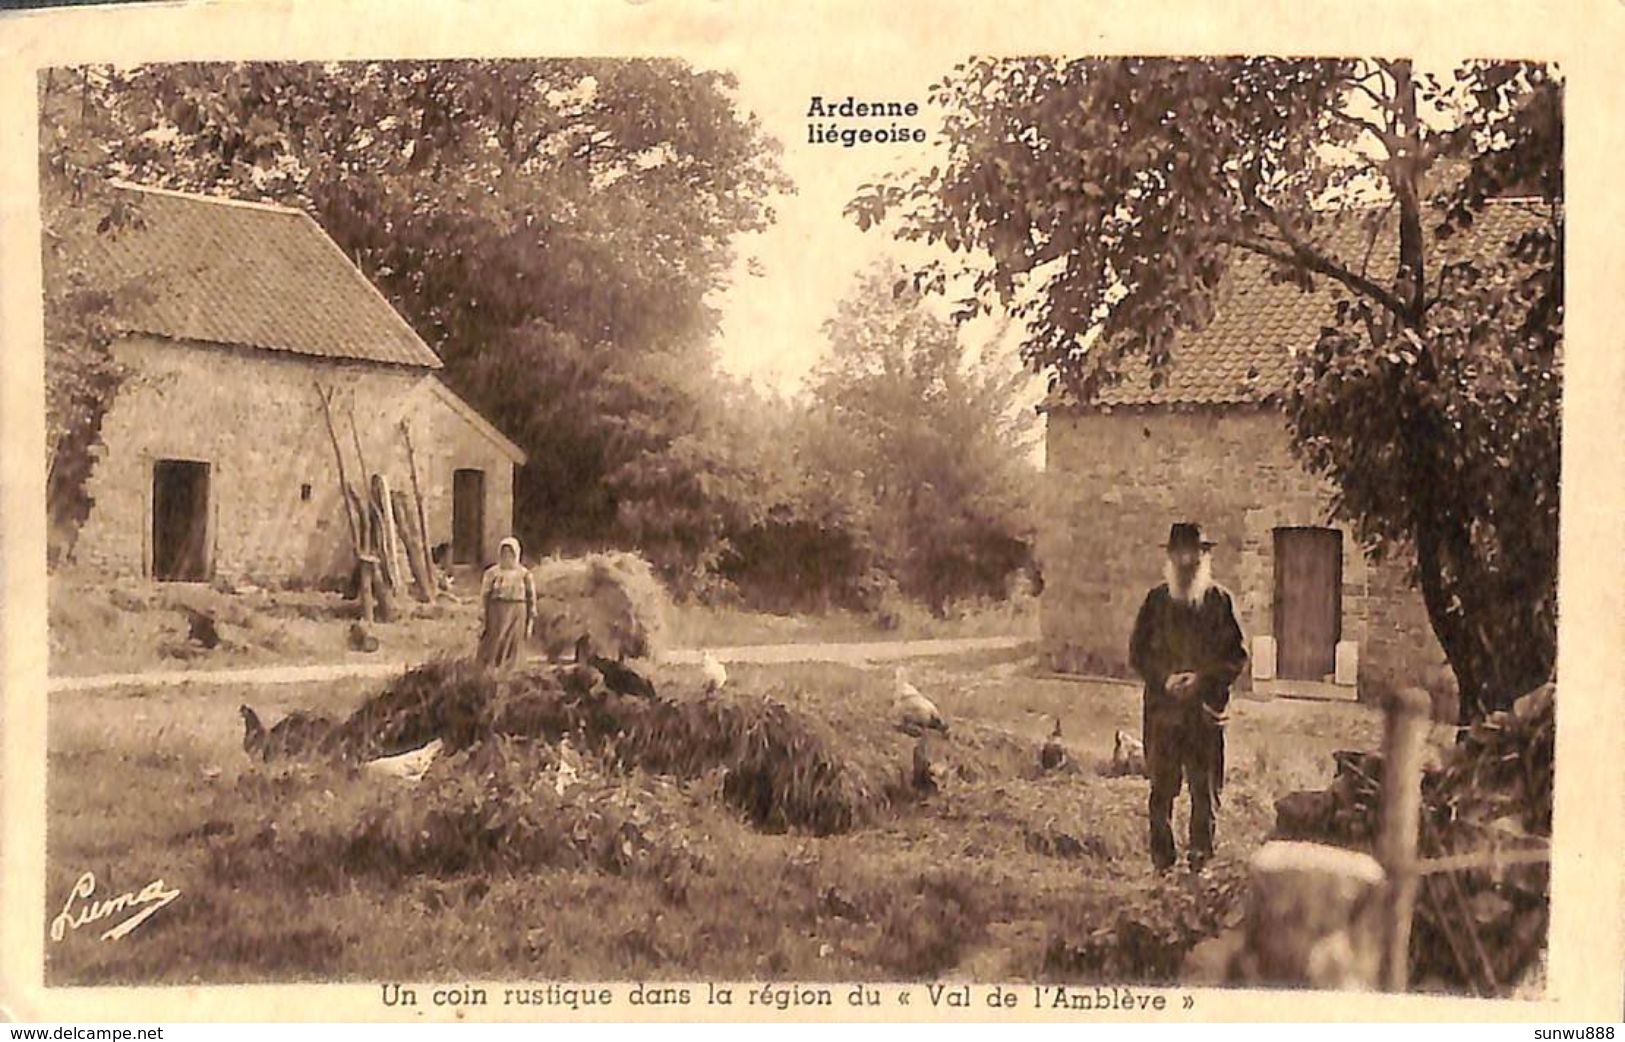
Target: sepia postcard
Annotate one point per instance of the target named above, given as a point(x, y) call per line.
point(685, 510)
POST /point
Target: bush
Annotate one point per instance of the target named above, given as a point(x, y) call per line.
point(1147, 939)
point(926, 928)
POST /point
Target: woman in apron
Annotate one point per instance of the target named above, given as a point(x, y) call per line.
point(508, 600)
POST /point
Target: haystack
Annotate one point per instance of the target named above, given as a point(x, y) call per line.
point(614, 598)
point(781, 767)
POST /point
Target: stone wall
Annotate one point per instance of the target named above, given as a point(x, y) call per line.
point(255, 417)
point(1116, 481)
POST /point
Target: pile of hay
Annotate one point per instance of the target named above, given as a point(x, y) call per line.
point(493, 807)
point(777, 765)
point(615, 598)
point(1480, 929)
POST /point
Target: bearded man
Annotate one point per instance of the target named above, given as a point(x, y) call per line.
point(1188, 648)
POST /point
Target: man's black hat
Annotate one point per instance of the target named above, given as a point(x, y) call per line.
point(1186, 535)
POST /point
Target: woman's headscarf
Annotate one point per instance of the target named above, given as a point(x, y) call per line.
point(518, 557)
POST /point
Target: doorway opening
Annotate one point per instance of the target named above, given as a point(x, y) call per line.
point(468, 517)
point(1308, 601)
point(180, 521)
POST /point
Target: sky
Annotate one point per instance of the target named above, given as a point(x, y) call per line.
point(809, 259)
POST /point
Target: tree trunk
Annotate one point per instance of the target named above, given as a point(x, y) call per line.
point(364, 586)
point(381, 589)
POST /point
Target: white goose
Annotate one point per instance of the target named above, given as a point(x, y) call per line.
point(409, 767)
point(915, 712)
point(713, 672)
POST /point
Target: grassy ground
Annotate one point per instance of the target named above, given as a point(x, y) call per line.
point(697, 626)
point(125, 626)
point(1007, 873)
point(100, 626)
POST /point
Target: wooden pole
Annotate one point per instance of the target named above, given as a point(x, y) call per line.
point(415, 557)
point(1408, 717)
point(338, 458)
point(423, 520)
point(355, 436)
point(390, 547)
point(1309, 919)
point(354, 512)
point(371, 566)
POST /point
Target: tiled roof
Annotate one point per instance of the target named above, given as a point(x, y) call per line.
point(250, 275)
point(1243, 357)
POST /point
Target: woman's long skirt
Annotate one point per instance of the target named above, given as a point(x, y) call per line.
point(504, 633)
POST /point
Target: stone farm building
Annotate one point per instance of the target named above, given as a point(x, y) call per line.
point(1211, 445)
point(216, 459)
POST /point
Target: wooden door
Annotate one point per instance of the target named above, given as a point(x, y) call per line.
point(1308, 601)
point(180, 521)
point(468, 517)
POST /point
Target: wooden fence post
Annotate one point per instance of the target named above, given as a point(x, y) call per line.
point(1409, 713)
point(1310, 919)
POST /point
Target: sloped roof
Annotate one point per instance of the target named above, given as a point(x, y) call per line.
point(1243, 357)
point(253, 275)
point(432, 387)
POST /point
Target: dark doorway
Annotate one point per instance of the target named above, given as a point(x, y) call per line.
point(1308, 601)
point(180, 521)
point(468, 517)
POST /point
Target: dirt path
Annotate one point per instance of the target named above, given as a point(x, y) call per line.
point(853, 653)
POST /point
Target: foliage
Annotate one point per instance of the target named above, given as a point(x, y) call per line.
point(1148, 938)
point(1102, 201)
point(81, 374)
point(1481, 927)
point(933, 439)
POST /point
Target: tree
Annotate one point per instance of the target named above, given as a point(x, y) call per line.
point(937, 441)
point(1112, 195)
point(553, 229)
point(82, 376)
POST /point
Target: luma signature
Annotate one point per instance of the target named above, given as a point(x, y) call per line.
point(145, 904)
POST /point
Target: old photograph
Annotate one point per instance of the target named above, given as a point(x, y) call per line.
point(1084, 523)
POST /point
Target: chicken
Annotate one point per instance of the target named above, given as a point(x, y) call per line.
point(580, 679)
point(362, 638)
point(1053, 755)
point(201, 628)
point(1128, 754)
point(915, 712)
point(713, 672)
point(409, 766)
point(253, 732)
point(929, 772)
point(298, 735)
point(622, 679)
point(565, 774)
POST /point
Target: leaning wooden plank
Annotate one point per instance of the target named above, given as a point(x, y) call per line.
point(417, 503)
point(382, 590)
point(394, 567)
point(416, 558)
